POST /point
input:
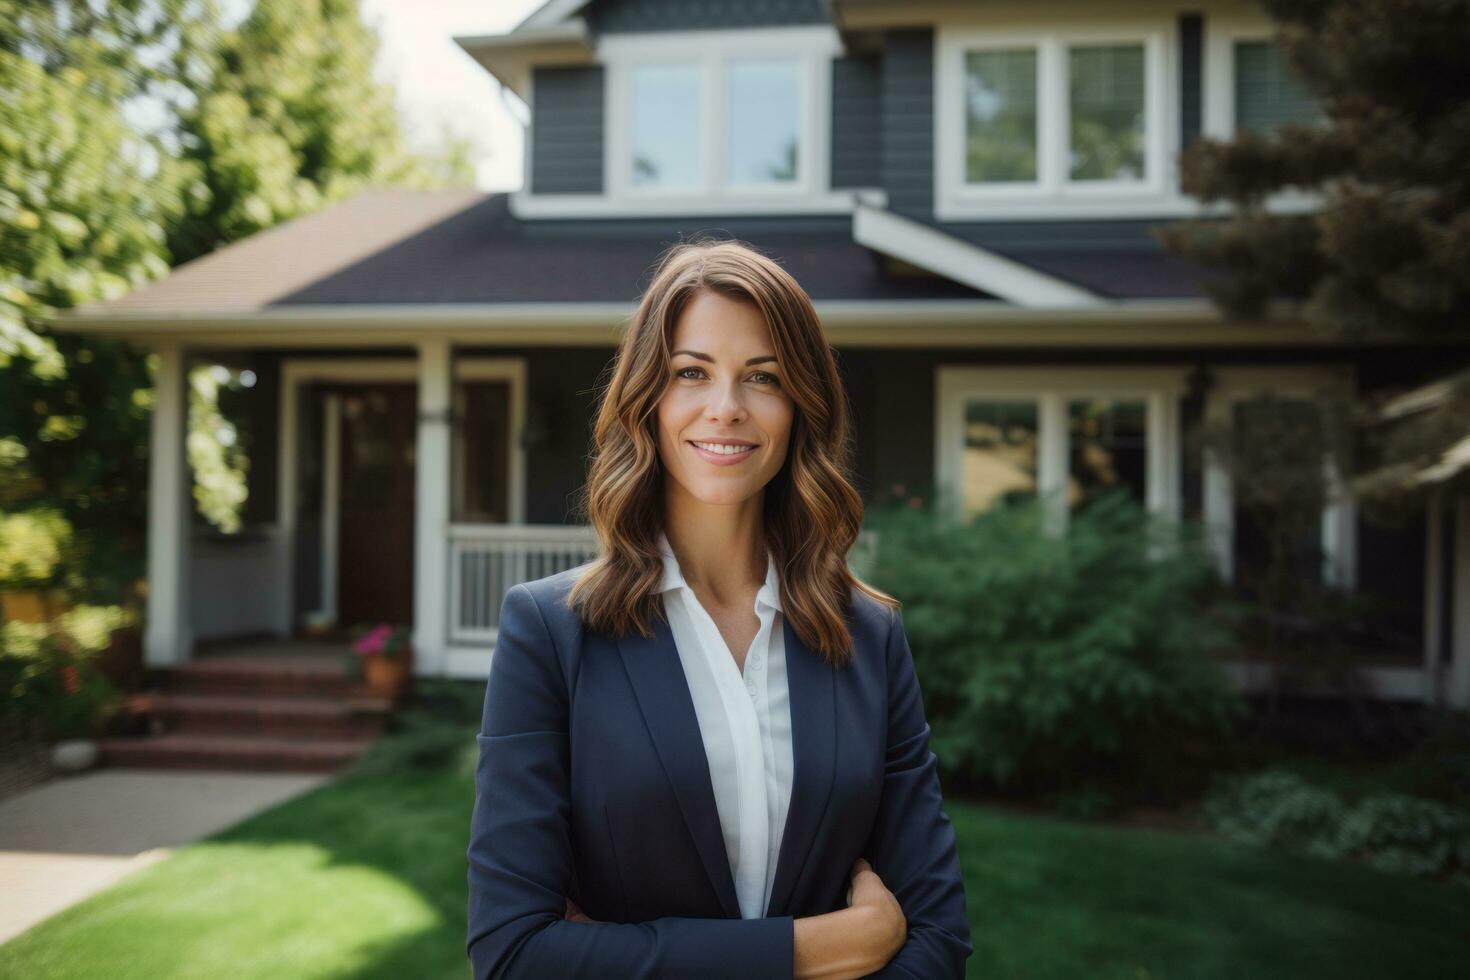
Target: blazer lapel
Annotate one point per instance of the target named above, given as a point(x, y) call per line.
point(657, 675)
point(812, 687)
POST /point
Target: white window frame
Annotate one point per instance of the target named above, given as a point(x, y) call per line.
point(1160, 388)
point(712, 51)
point(1221, 33)
point(1237, 383)
point(1055, 194)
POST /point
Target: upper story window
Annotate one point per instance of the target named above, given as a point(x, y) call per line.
point(1027, 121)
point(723, 118)
point(1249, 85)
point(1266, 92)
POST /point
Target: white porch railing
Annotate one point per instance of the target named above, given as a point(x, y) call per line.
point(485, 560)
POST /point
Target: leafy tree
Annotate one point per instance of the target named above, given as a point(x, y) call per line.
point(291, 119)
point(85, 201)
point(250, 126)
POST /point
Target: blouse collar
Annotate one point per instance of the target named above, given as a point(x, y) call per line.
point(673, 577)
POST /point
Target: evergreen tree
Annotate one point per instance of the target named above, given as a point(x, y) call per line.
point(1386, 251)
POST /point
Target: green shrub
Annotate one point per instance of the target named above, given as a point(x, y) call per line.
point(1277, 808)
point(1066, 665)
point(1393, 832)
point(49, 673)
point(1407, 835)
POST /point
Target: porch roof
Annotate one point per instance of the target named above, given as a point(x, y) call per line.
point(416, 248)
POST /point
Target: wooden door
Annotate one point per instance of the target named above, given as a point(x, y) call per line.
point(375, 541)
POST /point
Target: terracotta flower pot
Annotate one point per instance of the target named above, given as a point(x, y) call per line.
point(385, 675)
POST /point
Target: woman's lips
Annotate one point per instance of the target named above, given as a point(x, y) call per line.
point(725, 459)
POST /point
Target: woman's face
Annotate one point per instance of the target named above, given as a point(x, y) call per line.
point(724, 384)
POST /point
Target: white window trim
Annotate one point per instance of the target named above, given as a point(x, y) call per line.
point(1340, 514)
point(813, 47)
point(1054, 194)
point(1161, 388)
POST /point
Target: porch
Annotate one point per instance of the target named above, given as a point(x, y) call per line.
point(399, 497)
point(417, 483)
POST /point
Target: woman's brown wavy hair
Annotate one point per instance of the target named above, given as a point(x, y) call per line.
point(811, 513)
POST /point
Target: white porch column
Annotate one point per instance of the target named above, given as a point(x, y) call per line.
point(169, 636)
point(1457, 679)
point(431, 510)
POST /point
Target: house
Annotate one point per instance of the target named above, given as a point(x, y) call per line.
point(966, 191)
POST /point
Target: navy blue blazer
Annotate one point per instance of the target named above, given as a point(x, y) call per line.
point(592, 783)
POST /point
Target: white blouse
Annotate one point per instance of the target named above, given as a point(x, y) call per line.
point(745, 722)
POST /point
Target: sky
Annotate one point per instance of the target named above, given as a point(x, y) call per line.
point(438, 84)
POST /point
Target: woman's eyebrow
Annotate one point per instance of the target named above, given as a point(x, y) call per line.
point(706, 357)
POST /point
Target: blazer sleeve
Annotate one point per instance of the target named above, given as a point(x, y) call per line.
point(912, 845)
point(520, 854)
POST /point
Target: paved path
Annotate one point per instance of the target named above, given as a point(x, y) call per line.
point(76, 835)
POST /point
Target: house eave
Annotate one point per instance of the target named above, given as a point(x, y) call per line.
point(509, 57)
point(858, 323)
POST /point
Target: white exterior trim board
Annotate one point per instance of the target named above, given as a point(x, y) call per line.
point(912, 241)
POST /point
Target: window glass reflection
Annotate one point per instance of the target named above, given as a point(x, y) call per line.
point(666, 126)
point(762, 122)
point(1107, 112)
point(1000, 115)
point(1000, 453)
point(1108, 448)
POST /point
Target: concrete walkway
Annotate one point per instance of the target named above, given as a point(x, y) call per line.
point(76, 835)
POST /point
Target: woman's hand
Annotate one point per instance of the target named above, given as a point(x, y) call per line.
point(866, 891)
point(575, 914)
point(853, 942)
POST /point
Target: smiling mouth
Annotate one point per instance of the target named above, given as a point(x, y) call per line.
point(723, 453)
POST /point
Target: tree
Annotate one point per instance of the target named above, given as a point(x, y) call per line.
point(291, 119)
point(1386, 251)
point(249, 127)
point(84, 206)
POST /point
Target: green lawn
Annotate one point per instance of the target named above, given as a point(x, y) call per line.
point(366, 878)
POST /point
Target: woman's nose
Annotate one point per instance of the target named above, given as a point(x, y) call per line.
point(726, 402)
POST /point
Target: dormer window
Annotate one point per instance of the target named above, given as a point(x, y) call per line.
point(733, 120)
point(762, 101)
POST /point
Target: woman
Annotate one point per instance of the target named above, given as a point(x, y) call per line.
point(693, 746)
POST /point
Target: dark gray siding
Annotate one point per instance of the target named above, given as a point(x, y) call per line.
point(857, 122)
point(908, 120)
point(1191, 34)
point(566, 130)
point(629, 16)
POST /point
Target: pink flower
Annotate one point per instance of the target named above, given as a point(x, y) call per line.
point(372, 642)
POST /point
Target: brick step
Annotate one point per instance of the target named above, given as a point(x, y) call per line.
point(231, 752)
point(346, 717)
point(282, 680)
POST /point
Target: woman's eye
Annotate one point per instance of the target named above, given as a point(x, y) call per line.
point(764, 374)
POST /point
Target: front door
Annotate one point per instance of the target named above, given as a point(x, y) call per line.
point(375, 557)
